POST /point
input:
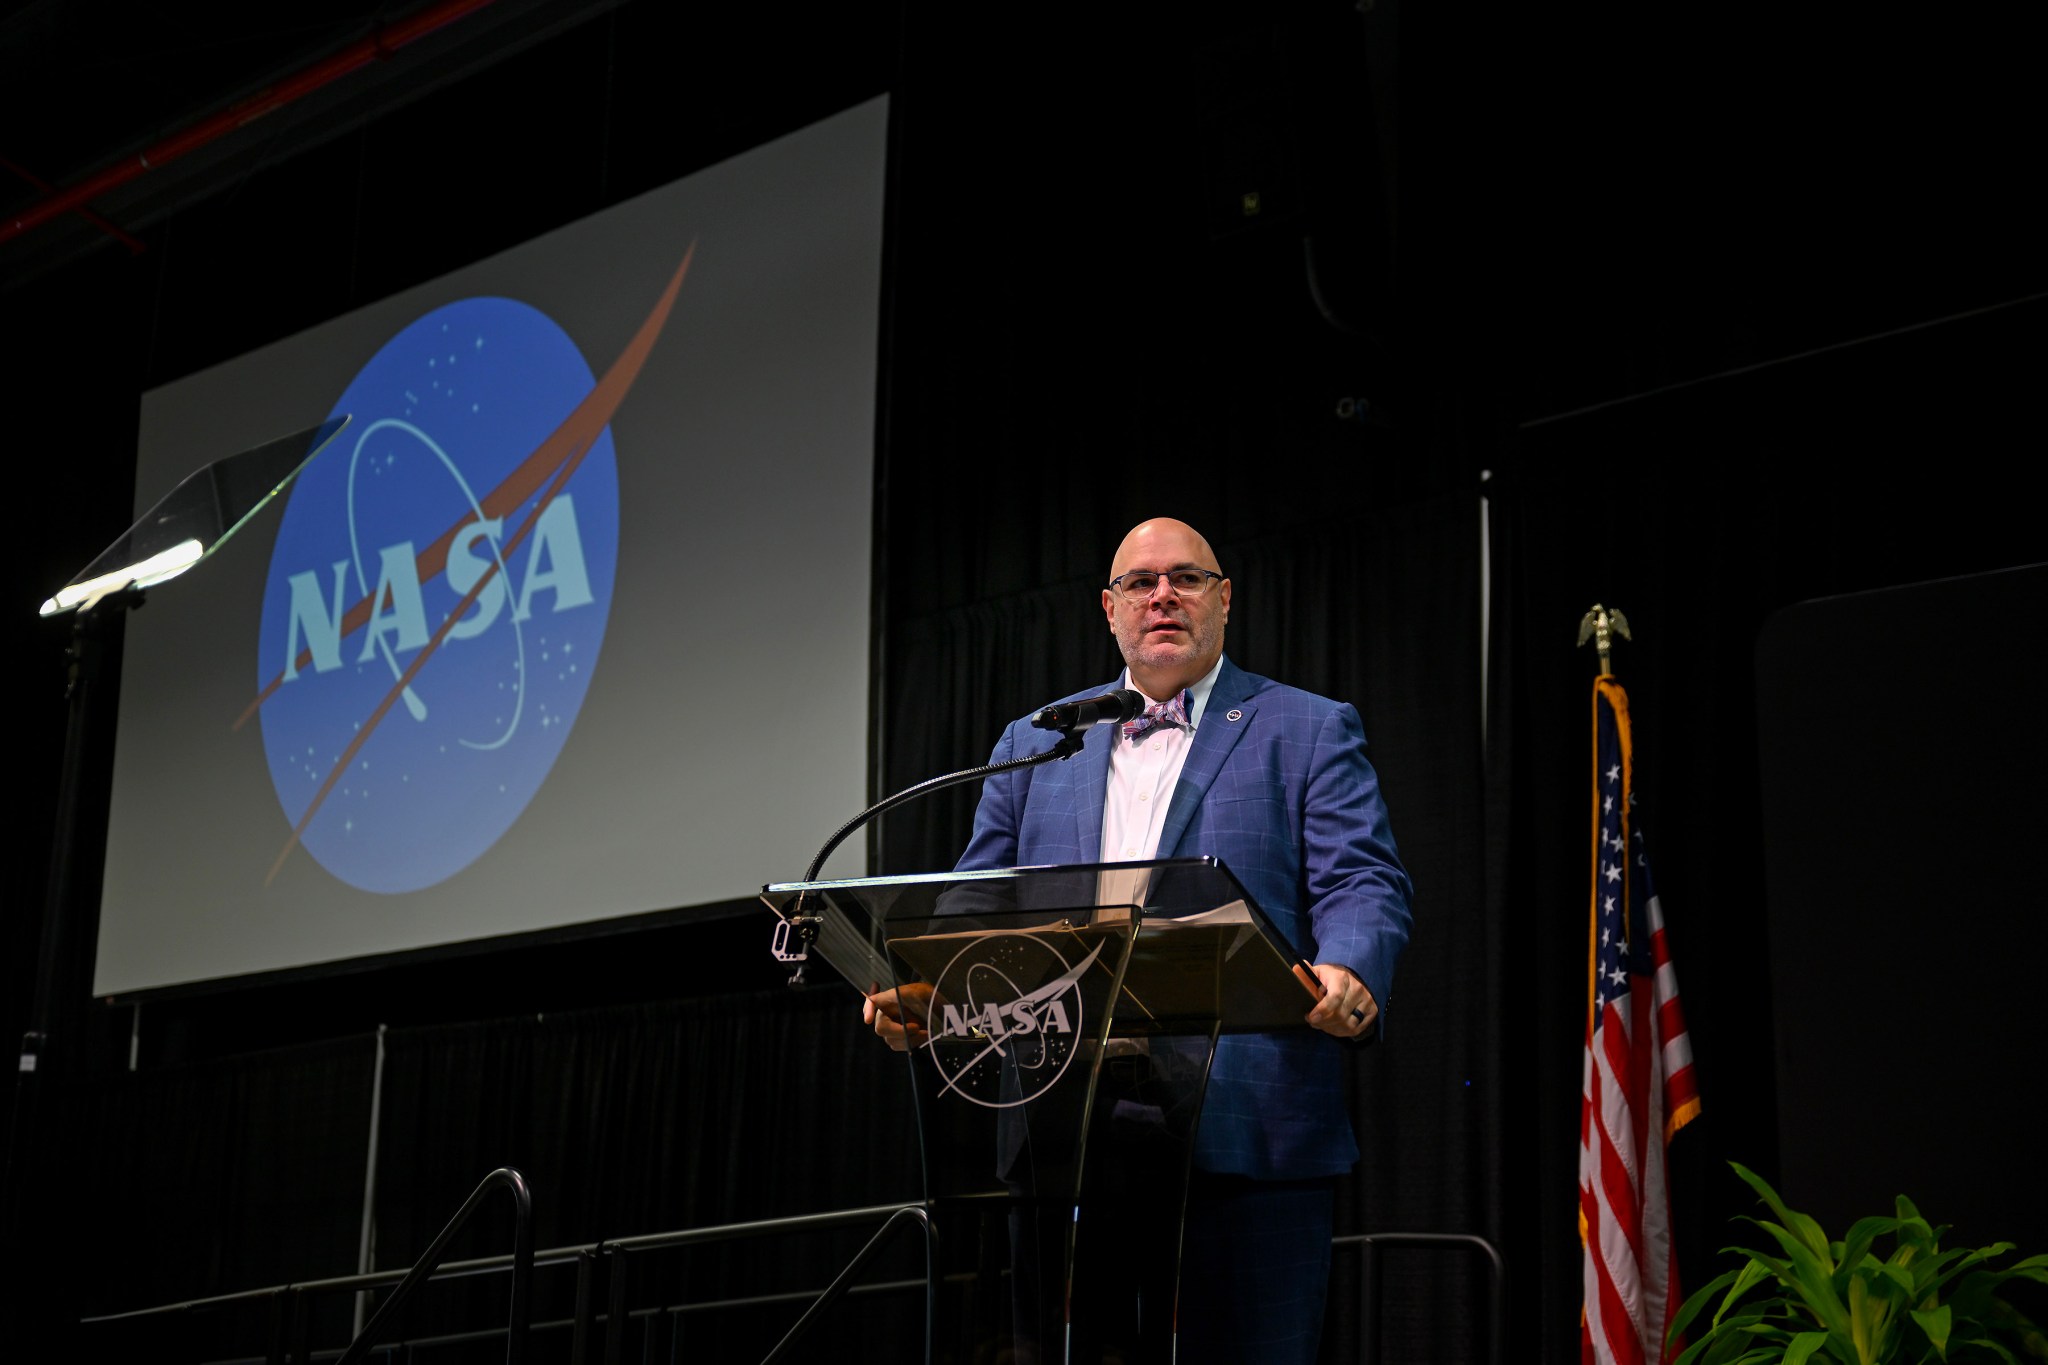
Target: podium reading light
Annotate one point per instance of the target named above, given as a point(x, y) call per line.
point(194, 519)
point(158, 568)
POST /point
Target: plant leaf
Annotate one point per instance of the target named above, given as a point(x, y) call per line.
point(1861, 1234)
point(1813, 1280)
point(1808, 1230)
point(1694, 1351)
point(1977, 1284)
point(1720, 1345)
point(1817, 1241)
point(1860, 1319)
point(1698, 1300)
point(1781, 1269)
point(1802, 1347)
point(1936, 1325)
point(1747, 1279)
point(1895, 1276)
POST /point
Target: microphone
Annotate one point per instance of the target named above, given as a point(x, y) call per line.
point(1111, 708)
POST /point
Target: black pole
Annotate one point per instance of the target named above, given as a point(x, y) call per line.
point(49, 1051)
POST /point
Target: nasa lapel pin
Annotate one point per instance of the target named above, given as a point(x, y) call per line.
point(1234, 715)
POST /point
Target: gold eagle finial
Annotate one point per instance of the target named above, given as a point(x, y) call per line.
point(1601, 625)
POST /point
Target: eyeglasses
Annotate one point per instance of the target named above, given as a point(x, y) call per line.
point(1139, 584)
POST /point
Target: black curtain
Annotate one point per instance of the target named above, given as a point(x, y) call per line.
point(186, 1182)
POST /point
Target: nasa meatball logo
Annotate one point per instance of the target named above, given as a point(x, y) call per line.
point(438, 593)
point(996, 1042)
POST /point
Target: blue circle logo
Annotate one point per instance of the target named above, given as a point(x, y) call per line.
point(437, 597)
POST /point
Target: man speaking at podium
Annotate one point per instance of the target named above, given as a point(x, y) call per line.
point(1274, 783)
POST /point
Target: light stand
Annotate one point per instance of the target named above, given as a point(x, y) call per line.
point(184, 528)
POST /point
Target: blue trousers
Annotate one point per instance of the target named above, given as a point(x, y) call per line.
point(1255, 1270)
point(1254, 1277)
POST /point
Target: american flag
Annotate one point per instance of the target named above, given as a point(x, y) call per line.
point(1637, 1087)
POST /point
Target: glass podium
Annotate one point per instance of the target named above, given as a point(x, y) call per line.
point(1065, 1022)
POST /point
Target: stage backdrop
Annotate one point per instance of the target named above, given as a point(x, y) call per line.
point(571, 622)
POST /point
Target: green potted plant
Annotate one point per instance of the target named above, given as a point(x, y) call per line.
point(1808, 1300)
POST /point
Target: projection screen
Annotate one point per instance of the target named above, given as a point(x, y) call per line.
point(570, 623)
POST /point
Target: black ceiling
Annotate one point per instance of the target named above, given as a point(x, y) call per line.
point(1584, 199)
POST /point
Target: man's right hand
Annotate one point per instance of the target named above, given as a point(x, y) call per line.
point(900, 1017)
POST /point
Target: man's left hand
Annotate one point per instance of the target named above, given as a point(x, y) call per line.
point(1347, 1009)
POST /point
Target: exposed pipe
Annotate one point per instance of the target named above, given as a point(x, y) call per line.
point(271, 98)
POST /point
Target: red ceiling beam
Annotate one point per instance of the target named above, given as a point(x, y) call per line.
point(270, 99)
point(134, 244)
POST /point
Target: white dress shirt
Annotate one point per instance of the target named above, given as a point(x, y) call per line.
point(1142, 776)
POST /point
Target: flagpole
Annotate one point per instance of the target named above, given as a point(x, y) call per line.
point(1638, 1087)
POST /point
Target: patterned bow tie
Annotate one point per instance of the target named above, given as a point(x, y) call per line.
point(1160, 713)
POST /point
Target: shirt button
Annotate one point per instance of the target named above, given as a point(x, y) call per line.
point(1142, 796)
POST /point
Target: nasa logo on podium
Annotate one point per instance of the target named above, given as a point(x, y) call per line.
point(1006, 1018)
point(437, 597)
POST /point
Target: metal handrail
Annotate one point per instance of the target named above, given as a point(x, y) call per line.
point(522, 1268)
point(523, 1259)
point(889, 1214)
point(837, 1289)
point(1369, 1274)
point(486, 1265)
point(616, 1252)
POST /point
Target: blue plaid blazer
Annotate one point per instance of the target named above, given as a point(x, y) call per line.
point(1277, 787)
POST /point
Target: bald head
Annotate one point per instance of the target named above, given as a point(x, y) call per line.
point(1169, 638)
point(1163, 536)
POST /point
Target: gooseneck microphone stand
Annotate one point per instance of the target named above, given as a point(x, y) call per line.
point(798, 929)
